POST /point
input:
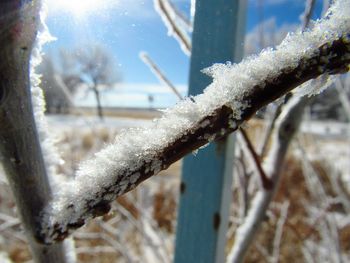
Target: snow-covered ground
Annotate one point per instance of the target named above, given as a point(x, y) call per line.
point(61, 121)
point(321, 128)
point(327, 129)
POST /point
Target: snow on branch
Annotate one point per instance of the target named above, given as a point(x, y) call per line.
point(287, 124)
point(306, 16)
point(51, 156)
point(237, 92)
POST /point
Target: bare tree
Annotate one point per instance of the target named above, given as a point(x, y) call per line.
point(58, 96)
point(93, 66)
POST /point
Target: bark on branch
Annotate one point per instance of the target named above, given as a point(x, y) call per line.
point(20, 151)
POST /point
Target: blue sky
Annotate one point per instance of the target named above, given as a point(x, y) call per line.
point(127, 27)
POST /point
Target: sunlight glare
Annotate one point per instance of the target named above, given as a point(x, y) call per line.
point(78, 8)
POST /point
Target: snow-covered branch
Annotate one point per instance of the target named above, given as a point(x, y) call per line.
point(279, 231)
point(236, 93)
point(286, 126)
point(20, 149)
point(305, 21)
point(170, 17)
point(306, 16)
point(282, 127)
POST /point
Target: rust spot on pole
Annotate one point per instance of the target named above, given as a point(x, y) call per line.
point(216, 221)
point(182, 187)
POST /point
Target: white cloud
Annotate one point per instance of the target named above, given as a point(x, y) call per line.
point(271, 36)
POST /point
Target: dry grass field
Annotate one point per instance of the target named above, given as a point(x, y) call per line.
point(142, 226)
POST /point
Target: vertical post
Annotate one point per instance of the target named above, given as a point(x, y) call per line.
point(206, 178)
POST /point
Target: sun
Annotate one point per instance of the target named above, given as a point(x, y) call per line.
point(78, 8)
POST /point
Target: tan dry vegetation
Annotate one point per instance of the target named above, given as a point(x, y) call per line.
point(292, 187)
point(77, 145)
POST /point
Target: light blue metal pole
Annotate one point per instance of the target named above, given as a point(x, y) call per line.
point(219, 27)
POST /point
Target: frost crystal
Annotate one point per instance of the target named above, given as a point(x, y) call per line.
point(51, 155)
point(115, 168)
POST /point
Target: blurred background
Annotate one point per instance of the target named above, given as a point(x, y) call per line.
point(114, 64)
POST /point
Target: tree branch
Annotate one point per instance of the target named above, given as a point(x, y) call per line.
point(266, 182)
point(168, 16)
point(286, 126)
point(159, 74)
point(306, 16)
point(20, 150)
point(305, 20)
point(187, 127)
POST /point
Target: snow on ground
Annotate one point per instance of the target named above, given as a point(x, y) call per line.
point(64, 121)
point(329, 141)
point(336, 154)
point(326, 129)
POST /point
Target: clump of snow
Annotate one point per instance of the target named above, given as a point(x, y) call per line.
point(51, 156)
point(233, 79)
point(4, 257)
point(114, 169)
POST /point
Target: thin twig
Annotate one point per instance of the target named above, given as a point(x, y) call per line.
point(279, 231)
point(306, 16)
point(159, 74)
point(286, 126)
point(118, 247)
point(343, 97)
point(181, 17)
point(266, 182)
point(157, 249)
point(164, 9)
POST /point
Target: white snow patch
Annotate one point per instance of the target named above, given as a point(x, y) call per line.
point(4, 257)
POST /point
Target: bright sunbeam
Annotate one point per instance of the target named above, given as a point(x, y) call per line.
point(79, 8)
